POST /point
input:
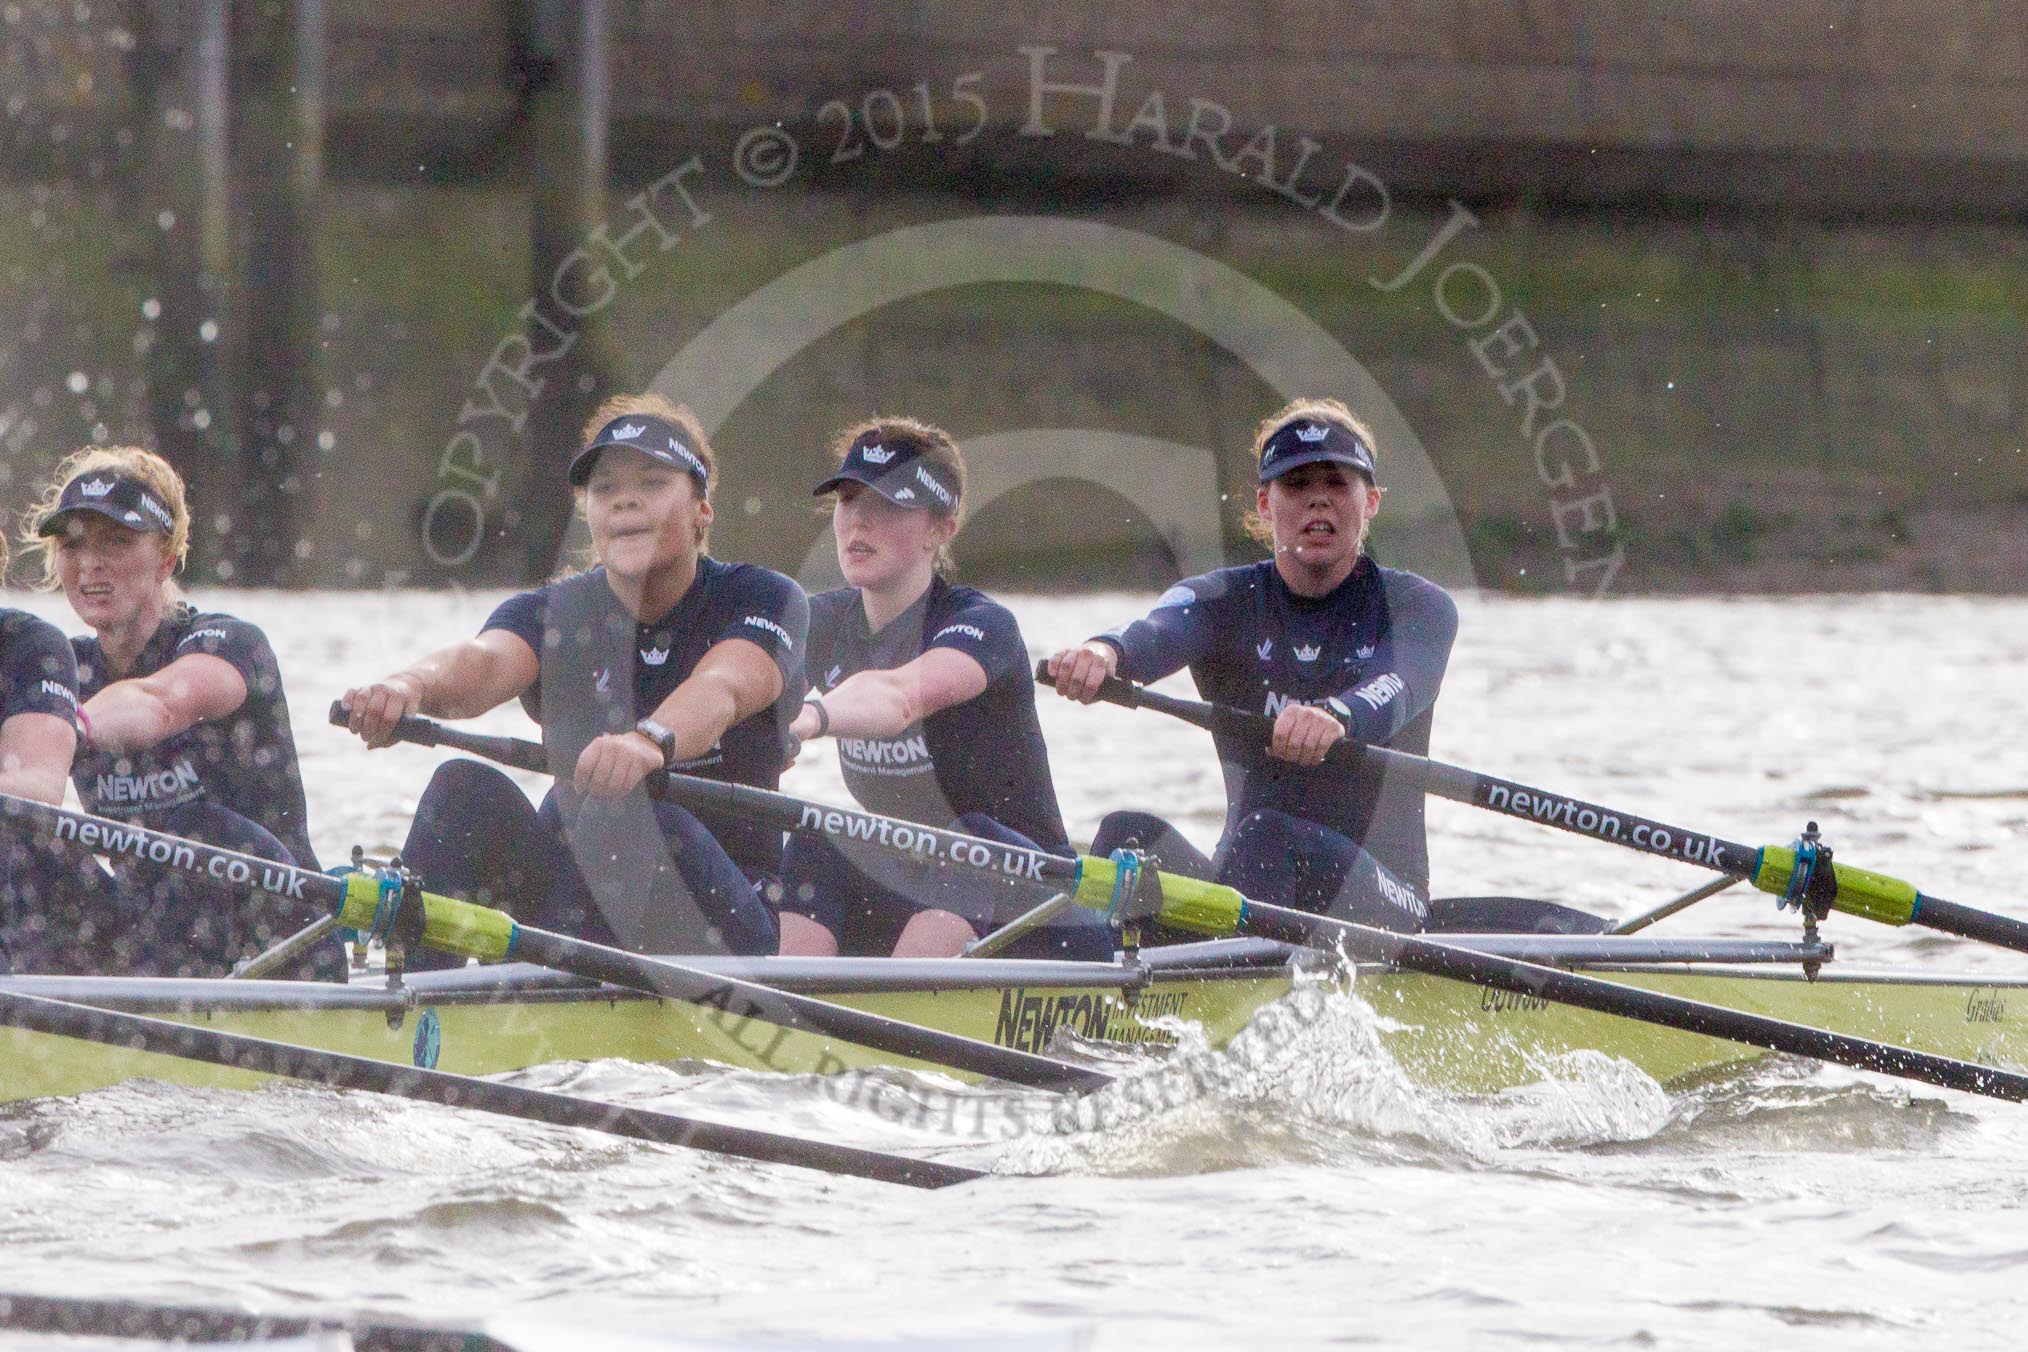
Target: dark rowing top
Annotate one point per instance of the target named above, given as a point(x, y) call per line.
point(38, 671)
point(1379, 643)
point(602, 671)
point(985, 755)
point(245, 762)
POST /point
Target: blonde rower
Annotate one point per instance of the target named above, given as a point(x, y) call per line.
point(183, 726)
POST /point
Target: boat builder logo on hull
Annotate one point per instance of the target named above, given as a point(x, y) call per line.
point(1030, 1022)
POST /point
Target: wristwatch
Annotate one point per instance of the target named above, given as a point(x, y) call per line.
point(1341, 711)
point(664, 740)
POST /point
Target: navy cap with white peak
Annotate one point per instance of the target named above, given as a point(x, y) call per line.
point(899, 472)
point(117, 497)
point(656, 438)
point(1311, 441)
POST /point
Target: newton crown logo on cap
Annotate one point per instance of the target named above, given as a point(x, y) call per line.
point(896, 472)
point(115, 496)
point(633, 432)
point(1312, 441)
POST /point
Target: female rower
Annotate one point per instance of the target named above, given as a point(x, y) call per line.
point(38, 736)
point(926, 688)
point(183, 725)
point(658, 657)
point(1331, 645)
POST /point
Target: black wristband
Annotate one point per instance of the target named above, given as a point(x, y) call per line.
point(823, 715)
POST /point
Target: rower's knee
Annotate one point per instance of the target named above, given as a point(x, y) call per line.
point(934, 934)
point(466, 784)
point(1129, 830)
point(803, 937)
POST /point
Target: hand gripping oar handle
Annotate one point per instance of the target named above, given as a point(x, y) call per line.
point(513, 752)
point(1855, 891)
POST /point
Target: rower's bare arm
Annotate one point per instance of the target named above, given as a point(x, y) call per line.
point(733, 681)
point(887, 703)
point(465, 680)
point(1080, 671)
point(144, 711)
point(35, 755)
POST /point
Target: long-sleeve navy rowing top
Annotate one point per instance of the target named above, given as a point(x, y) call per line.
point(1379, 642)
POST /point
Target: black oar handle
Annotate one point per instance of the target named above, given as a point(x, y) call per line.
point(509, 751)
point(1211, 717)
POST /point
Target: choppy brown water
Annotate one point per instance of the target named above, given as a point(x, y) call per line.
point(1322, 1199)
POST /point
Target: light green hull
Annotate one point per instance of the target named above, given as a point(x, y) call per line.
point(1463, 1037)
point(1447, 1034)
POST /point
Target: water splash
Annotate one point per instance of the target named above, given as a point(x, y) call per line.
point(1311, 1080)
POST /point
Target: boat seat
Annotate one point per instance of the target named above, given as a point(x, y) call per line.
point(1509, 915)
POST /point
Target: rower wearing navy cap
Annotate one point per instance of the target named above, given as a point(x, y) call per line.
point(925, 686)
point(183, 725)
point(1328, 643)
point(658, 657)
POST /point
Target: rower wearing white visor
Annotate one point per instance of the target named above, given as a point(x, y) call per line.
point(926, 688)
point(1328, 643)
point(657, 657)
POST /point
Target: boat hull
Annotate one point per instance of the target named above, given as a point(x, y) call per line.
point(1447, 1035)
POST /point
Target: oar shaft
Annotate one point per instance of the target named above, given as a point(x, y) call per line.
point(1606, 997)
point(1503, 796)
point(738, 1001)
point(1950, 918)
point(845, 826)
point(1840, 886)
point(59, 826)
point(340, 1071)
point(468, 930)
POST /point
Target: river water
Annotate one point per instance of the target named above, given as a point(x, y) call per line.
point(1321, 1199)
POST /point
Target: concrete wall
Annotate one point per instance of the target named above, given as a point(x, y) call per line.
point(1812, 105)
point(1775, 250)
point(1818, 105)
